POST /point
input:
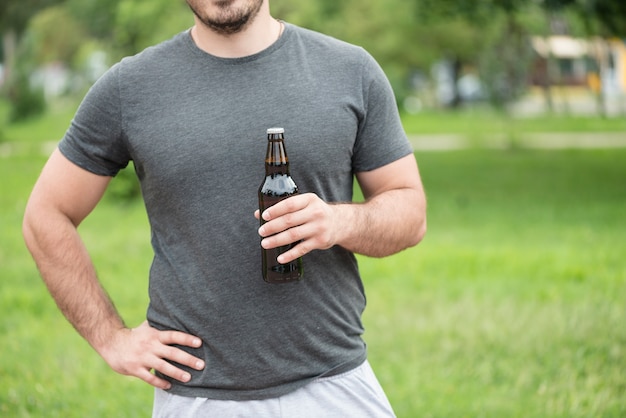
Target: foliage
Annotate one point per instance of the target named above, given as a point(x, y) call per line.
point(602, 17)
point(15, 14)
point(135, 23)
point(406, 37)
point(610, 13)
point(97, 16)
point(57, 36)
point(505, 65)
point(125, 187)
point(27, 100)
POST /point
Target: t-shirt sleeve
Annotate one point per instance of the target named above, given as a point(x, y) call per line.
point(381, 138)
point(95, 139)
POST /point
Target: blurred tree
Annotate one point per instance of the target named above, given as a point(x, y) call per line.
point(404, 36)
point(446, 28)
point(129, 26)
point(57, 35)
point(386, 30)
point(603, 17)
point(14, 18)
point(400, 38)
point(97, 16)
point(139, 24)
point(15, 14)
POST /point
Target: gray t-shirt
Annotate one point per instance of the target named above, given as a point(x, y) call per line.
point(194, 125)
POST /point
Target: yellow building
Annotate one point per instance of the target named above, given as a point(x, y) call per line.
point(595, 63)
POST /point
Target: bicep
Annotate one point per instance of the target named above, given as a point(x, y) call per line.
point(400, 174)
point(67, 189)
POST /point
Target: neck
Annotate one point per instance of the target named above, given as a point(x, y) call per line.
point(262, 32)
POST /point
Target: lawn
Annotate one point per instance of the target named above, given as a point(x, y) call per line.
point(475, 122)
point(513, 306)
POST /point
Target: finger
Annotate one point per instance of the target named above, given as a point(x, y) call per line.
point(286, 237)
point(284, 223)
point(291, 204)
point(179, 338)
point(153, 380)
point(293, 228)
point(181, 357)
point(257, 214)
point(168, 369)
point(294, 253)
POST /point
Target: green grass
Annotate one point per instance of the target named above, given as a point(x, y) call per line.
point(513, 306)
point(49, 127)
point(480, 121)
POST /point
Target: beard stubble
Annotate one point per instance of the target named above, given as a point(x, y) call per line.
point(226, 19)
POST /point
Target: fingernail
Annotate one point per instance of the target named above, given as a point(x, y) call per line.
point(199, 365)
point(196, 342)
point(186, 377)
point(261, 231)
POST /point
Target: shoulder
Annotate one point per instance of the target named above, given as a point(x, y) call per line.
point(164, 54)
point(327, 46)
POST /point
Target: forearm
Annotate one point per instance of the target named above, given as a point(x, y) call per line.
point(71, 279)
point(70, 276)
point(392, 218)
point(383, 225)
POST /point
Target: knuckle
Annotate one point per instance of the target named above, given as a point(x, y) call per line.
point(289, 220)
point(293, 234)
point(165, 337)
point(289, 204)
point(168, 352)
point(303, 249)
point(166, 368)
point(151, 380)
point(318, 210)
point(311, 197)
point(324, 240)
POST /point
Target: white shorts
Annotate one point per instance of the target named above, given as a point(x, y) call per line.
point(354, 394)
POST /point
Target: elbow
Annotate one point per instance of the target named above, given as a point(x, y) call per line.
point(28, 229)
point(34, 226)
point(414, 234)
point(419, 234)
point(414, 230)
point(418, 219)
point(422, 232)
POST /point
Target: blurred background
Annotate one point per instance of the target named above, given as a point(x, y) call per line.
point(529, 56)
point(514, 305)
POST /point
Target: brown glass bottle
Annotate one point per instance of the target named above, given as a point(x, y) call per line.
point(276, 186)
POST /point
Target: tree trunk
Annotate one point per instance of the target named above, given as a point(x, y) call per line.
point(9, 46)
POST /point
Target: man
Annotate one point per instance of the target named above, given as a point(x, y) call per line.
point(191, 114)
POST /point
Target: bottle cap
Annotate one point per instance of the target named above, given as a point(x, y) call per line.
point(273, 131)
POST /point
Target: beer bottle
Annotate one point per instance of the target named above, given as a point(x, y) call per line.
point(278, 185)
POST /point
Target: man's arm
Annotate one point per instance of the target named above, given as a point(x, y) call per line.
point(62, 197)
point(392, 218)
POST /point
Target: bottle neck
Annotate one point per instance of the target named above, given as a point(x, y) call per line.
point(276, 160)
